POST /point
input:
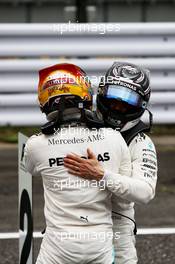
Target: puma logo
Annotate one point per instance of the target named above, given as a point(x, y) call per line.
point(84, 218)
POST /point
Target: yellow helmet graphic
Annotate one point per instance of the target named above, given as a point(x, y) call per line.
point(63, 80)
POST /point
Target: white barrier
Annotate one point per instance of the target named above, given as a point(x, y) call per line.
point(87, 48)
point(151, 45)
point(45, 29)
point(31, 100)
point(33, 116)
point(24, 83)
point(140, 232)
point(125, 39)
point(100, 65)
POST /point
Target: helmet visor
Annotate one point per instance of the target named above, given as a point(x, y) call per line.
point(126, 95)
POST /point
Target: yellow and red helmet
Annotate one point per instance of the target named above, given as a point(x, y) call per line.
point(63, 80)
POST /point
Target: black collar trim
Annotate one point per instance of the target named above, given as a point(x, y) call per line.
point(131, 133)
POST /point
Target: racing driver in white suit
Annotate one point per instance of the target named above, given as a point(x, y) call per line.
point(122, 99)
point(78, 213)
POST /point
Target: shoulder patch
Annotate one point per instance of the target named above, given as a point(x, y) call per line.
point(140, 137)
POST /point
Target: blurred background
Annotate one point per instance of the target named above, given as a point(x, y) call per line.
point(91, 34)
point(59, 11)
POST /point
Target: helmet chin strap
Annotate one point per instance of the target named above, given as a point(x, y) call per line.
point(140, 127)
point(93, 120)
point(150, 119)
point(131, 124)
point(115, 124)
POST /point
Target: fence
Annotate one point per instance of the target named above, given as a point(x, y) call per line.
point(26, 48)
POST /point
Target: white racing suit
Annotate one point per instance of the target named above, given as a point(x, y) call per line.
point(140, 189)
point(77, 211)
